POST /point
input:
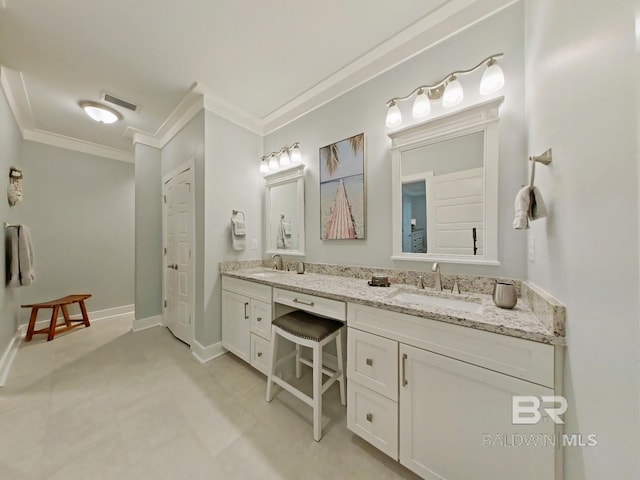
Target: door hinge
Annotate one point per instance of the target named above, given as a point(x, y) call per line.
point(165, 304)
point(165, 250)
point(189, 253)
point(164, 198)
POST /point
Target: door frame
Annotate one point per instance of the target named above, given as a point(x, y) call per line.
point(188, 165)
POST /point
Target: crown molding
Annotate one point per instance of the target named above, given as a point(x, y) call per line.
point(75, 144)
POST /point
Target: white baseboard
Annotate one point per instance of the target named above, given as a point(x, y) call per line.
point(206, 354)
point(144, 323)
point(93, 316)
point(9, 355)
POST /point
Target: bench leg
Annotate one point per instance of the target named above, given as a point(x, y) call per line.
point(85, 316)
point(52, 325)
point(32, 323)
point(65, 314)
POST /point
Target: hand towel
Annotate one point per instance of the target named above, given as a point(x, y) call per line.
point(537, 208)
point(286, 227)
point(238, 232)
point(14, 266)
point(25, 256)
point(522, 205)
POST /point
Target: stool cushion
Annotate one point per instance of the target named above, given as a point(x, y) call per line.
point(306, 325)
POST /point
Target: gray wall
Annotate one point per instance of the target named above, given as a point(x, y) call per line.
point(232, 181)
point(587, 249)
point(148, 236)
point(10, 145)
point(80, 209)
point(364, 109)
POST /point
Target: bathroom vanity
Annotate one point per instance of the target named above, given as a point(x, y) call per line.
point(431, 375)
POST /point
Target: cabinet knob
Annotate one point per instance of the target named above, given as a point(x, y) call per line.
point(370, 361)
point(369, 417)
point(259, 319)
point(259, 354)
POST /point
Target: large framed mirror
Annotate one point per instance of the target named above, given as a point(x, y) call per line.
point(445, 187)
point(284, 216)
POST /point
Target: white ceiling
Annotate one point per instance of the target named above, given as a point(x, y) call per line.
point(269, 61)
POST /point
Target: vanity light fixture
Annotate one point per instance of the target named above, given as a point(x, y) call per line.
point(282, 158)
point(449, 89)
point(100, 113)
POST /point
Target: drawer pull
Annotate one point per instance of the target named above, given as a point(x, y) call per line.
point(370, 361)
point(404, 370)
point(246, 304)
point(259, 354)
point(310, 304)
point(370, 417)
point(259, 319)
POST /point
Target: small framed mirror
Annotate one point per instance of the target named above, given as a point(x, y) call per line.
point(285, 212)
point(445, 188)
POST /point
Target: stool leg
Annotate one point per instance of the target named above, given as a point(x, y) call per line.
point(274, 360)
point(317, 392)
point(32, 323)
point(343, 397)
point(54, 322)
point(298, 364)
point(65, 314)
point(85, 316)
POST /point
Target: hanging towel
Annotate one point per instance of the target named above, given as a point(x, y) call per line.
point(14, 265)
point(25, 255)
point(537, 208)
point(286, 228)
point(238, 231)
point(522, 205)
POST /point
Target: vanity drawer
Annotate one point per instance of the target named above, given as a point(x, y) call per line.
point(526, 359)
point(372, 361)
point(260, 353)
point(261, 319)
point(249, 289)
point(321, 306)
point(373, 417)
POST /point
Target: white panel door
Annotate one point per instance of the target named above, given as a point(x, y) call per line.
point(179, 255)
point(456, 422)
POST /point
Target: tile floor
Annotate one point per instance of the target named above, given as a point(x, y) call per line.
point(106, 403)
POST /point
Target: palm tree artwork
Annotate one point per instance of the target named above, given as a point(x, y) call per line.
point(342, 190)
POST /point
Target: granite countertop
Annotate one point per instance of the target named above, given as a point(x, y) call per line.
point(519, 322)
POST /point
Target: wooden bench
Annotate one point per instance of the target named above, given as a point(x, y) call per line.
point(57, 305)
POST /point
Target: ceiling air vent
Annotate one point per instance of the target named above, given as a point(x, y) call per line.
point(120, 102)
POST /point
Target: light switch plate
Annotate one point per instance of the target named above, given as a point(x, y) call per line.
point(532, 248)
point(254, 244)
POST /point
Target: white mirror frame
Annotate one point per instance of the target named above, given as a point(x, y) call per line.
point(482, 117)
point(294, 174)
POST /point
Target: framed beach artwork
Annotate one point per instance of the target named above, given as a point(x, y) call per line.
point(342, 191)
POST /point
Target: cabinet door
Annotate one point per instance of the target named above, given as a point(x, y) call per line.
point(236, 324)
point(456, 422)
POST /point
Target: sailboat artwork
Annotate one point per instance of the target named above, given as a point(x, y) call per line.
point(342, 198)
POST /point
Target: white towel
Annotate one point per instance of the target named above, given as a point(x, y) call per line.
point(238, 232)
point(522, 204)
point(25, 254)
point(286, 228)
point(14, 265)
point(537, 208)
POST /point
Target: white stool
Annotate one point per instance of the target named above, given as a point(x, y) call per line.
point(307, 330)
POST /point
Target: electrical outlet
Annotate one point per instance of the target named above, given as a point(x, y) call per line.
point(532, 248)
point(254, 244)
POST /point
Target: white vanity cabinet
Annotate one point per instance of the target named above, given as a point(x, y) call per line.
point(449, 413)
point(246, 320)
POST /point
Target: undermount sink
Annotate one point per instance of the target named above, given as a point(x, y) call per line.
point(270, 274)
point(430, 300)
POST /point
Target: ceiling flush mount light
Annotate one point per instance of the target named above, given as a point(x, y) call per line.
point(449, 89)
point(100, 113)
point(282, 158)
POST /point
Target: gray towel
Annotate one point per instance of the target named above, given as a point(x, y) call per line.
point(14, 265)
point(25, 255)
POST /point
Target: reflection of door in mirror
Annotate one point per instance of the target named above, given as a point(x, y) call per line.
point(443, 197)
point(284, 217)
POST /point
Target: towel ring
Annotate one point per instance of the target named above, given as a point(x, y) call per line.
point(545, 159)
point(236, 212)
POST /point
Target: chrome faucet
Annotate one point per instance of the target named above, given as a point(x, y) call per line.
point(438, 282)
point(277, 262)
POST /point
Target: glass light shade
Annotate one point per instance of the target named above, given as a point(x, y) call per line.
point(99, 113)
point(296, 156)
point(453, 94)
point(421, 105)
point(492, 78)
point(264, 168)
point(273, 163)
point(394, 117)
point(284, 159)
